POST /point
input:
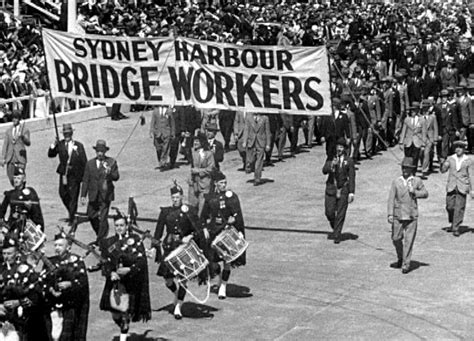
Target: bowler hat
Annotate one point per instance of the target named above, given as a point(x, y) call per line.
point(341, 142)
point(101, 145)
point(459, 144)
point(407, 162)
point(212, 127)
point(218, 176)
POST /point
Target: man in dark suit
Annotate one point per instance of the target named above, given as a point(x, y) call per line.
point(72, 161)
point(17, 138)
point(256, 140)
point(97, 183)
point(216, 147)
point(340, 188)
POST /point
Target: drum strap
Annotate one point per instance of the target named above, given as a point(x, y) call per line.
point(183, 285)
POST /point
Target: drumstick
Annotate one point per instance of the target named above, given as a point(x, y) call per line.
point(26, 202)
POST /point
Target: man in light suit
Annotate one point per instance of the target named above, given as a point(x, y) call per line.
point(97, 183)
point(162, 130)
point(460, 170)
point(413, 132)
point(17, 138)
point(257, 139)
point(402, 212)
point(202, 167)
point(72, 162)
point(431, 135)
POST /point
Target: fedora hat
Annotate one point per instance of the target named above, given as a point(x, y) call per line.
point(67, 128)
point(407, 162)
point(101, 145)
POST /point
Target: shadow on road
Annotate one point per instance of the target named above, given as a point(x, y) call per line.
point(415, 265)
point(192, 310)
point(462, 229)
point(140, 337)
point(262, 181)
point(278, 229)
point(234, 290)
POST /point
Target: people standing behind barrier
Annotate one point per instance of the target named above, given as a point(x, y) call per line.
point(162, 130)
point(72, 162)
point(126, 291)
point(256, 140)
point(222, 210)
point(177, 224)
point(459, 185)
point(340, 188)
point(202, 166)
point(98, 189)
point(16, 139)
point(412, 137)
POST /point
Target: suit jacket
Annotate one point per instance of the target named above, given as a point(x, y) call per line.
point(413, 133)
point(460, 179)
point(14, 150)
point(415, 89)
point(448, 78)
point(217, 149)
point(162, 126)
point(75, 163)
point(257, 134)
point(205, 165)
point(239, 123)
point(381, 68)
point(341, 176)
point(401, 204)
point(431, 128)
point(95, 182)
point(466, 110)
point(342, 126)
point(431, 85)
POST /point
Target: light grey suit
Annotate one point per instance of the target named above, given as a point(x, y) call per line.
point(14, 148)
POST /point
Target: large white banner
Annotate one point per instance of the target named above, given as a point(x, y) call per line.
point(182, 71)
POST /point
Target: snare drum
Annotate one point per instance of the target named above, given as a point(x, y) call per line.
point(186, 261)
point(32, 236)
point(229, 244)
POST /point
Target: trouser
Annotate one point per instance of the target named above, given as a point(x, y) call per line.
point(226, 123)
point(391, 131)
point(330, 146)
point(335, 210)
point(427, 157)
point(255, 154)
point(268, 154)
point(293, 136)
point(470, 139)
point(368, 138)
point(413, 152)
point(281, 141)
point(356, 152)
point(196, 196)
point(162, 146)
point(308, 131)
point(174, 149)
point(403, 237)
point(69, 194)
point(445, 147)
point(115, 110)
point(455, 206)
point(98, 211)
point(241, 149)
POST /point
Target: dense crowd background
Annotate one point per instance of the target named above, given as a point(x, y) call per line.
point(416, 50)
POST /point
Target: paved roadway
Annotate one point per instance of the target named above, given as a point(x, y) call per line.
point(297, 285)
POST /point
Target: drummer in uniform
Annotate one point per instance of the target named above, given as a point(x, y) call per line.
point(222, 209)
point(21, 301)
point(66, 290)
point(126, 274)
point(23, 202)
point(179, 223)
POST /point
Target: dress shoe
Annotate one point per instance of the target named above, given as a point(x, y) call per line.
point(337, 239)
point(178, 316)
point(456, 233)
point(405, 271)
point(257, 182)
point(115, 118)
point(122, 116)
point(397, 265)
